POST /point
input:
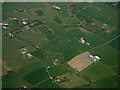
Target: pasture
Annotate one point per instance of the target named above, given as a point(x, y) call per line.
point(52, 37)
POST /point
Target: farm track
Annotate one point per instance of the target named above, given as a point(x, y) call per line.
point(108, 68)
point(105, 43)
point(40, 82)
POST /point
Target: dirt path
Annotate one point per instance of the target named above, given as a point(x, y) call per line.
point(115, 66)
point(108, 68)
point(105, 43)
point(40, 82)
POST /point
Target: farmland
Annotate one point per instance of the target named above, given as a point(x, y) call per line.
point(41, 40)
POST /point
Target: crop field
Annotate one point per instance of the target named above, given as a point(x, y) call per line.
point(80, 62)
point(41, 42)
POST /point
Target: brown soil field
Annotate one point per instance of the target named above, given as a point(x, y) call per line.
point(80, 61)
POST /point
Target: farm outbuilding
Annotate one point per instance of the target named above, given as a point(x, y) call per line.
point(94, 58)
point(58, 8)
point(24, 22)
point(82, 40)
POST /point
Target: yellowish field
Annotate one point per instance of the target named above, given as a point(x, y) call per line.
point(80, 62)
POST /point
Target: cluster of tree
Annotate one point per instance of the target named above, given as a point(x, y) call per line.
point(39, 12)
point(57, 20)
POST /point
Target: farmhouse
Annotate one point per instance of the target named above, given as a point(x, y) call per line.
point(88, 43)
point(105, 24)
point(14, 18)
point(56, 60)
point(3, 24)
point(82, 40)
point(4, 27)
point(6, 24)
point(29, 55)
point(23, 88)
point(51, 77)
point(54, 63)
point(58, 80)
point(58, 8)
point(24, 22)
point(23, 52)
point(48, 67)
point(11, 35)
point(94, 58)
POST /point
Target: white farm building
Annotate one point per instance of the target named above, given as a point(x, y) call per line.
point(94, 58)
point(58, 8)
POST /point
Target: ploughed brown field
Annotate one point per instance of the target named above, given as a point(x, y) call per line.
point(80, 61)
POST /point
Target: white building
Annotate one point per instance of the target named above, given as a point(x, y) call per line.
point(54, 63)
point(4, 27)
point(14, 18)
point(88, 44)
point(11, 34)
point(105, 24)
point(51, 77)
point(94, 58)
point(24, 22)
point(58, 8)
point(58, 80)
point(6, 24)
point(48, 67)
point(82, 40)
point(56, 60)
point(23, 52)
point(29, 55)
point(97, 57)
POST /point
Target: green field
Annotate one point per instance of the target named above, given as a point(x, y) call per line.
point(52, 38)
